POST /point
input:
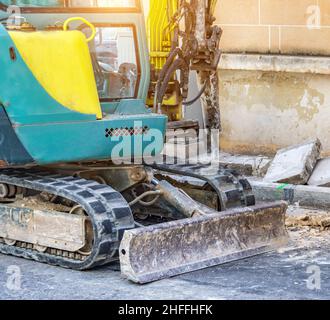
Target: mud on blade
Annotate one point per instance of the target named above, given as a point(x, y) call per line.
point(169, 249)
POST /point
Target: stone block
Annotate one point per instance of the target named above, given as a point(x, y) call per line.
point(321, 174)
point(294, 164)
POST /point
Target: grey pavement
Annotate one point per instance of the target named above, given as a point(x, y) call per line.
point(279, 275)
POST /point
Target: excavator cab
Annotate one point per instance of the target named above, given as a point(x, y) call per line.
point(73, 91)
point(84, 78)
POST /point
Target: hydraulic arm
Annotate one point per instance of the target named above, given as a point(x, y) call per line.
point(182, 38)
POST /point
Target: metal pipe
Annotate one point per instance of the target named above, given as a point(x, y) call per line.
point(156, 193)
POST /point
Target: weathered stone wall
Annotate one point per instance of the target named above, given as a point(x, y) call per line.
point(275, 26)
point(269, 100)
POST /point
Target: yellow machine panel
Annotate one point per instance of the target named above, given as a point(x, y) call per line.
point(61, 62)
point(160, 35)
point(160, 30)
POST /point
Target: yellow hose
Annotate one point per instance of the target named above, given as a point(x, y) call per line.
point(67, 22)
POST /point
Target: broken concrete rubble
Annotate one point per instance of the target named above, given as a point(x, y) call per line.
point(321, 174)
point(183, 149)
point(309, 220)
point(294, 164)
point(245, 164)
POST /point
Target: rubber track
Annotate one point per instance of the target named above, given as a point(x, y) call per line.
point(109, 212)
point(233, 189)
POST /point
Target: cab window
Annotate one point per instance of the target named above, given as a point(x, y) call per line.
point(114, 59)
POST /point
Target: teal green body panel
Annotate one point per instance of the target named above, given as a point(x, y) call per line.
point(51, 133)
point(131, 106)
point(78, 141)
point(109, 107)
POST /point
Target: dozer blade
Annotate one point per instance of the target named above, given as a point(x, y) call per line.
point(169, 249)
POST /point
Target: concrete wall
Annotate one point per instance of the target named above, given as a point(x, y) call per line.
point(270, 107)
point(265, 110)
point(270, 100)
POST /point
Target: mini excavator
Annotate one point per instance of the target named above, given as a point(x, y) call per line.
point(86, 95)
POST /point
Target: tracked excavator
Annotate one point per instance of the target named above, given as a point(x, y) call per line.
point(84, 109)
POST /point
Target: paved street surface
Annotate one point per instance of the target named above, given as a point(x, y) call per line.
point(291, 273)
